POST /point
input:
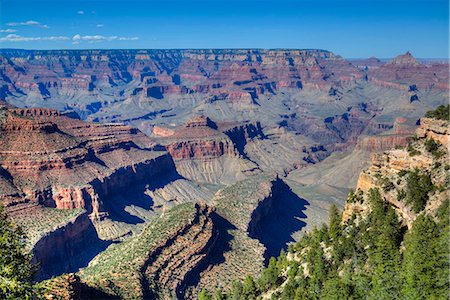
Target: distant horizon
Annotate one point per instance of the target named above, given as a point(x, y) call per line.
point(350, 28)
point(383, 59)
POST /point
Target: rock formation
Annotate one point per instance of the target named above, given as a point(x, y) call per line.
point(259, 142)
point(389, 172)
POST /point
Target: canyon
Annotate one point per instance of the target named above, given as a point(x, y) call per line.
point(156, 173)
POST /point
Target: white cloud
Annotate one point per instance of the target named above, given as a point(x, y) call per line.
point(100, 38)
point(80, 12)
point(8, 30)
point(76, 39)
point(19, 38)
point(133, 38)
point(28, 23)
point(99, 25)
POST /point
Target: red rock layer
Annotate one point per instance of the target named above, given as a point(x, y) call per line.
point(234, 74)
point(52, 160)
point(406, 73)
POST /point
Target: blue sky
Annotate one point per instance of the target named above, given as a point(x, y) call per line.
point(351, 28)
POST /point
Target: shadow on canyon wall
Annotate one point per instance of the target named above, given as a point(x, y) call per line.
point(277, 218)
point(68, 248)
point(135, 195)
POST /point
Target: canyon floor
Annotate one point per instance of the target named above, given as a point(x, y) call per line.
point(155, 173)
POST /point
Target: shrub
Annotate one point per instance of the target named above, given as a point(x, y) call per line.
point(412, 151)
point(386, 184)
point(402, 173)
point(433, 147)
point(440, 113)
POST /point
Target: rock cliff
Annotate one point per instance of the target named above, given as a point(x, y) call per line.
point(396, 173)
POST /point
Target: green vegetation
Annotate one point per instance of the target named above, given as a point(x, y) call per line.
point(366, 258)
point(440, 113)
point(355, 196)
point(16, 269)
point(425, 264)
point(434, 148)
point(386, 184)
point(418, 186)
point(42, 220)
point(412, 151)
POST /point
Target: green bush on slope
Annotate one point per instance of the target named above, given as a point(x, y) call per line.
point(441, 113)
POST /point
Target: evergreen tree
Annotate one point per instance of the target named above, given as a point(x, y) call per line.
point(269, 276)
point(16, 269)
point(237, 290)
point(204, 295)
point(418, 185)
point(335, 222)
point(335, 289)
point(425, 262)
point(249, 288)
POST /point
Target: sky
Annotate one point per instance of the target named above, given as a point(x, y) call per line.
point(351, 28)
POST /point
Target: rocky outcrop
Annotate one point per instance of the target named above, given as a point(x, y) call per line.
point(389, 172)
point(162, 131)
point(404, 60)
point(172, 265)
point(201, 149)
point(379, 143)
point(199, 139)
point(435, 129)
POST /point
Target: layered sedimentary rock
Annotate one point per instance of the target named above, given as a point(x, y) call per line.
point(389, 172)
point(434, 129)
point(406, 73)
point(51, 163)
point(65, 163)
point(234, 75)
point(398, 136)
point(206, 151)
point(250, 215)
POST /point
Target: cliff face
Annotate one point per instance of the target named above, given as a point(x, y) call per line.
point(250, 215)
point(208, 152)
point(434, 129)
point(425, 158)
point(234, 74)
point(51, 163)
point(405, 73)
point(67, 248)
point(65, 163)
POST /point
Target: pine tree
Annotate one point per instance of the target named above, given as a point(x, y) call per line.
point(249, 288)
point(425, 261)
point(16, 269)
point(204, 295)
point(383, 255)
point(335, 222)
point(269, 276)
point(237, 290)
point(335, 289)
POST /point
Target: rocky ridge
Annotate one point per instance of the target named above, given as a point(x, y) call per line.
point(426, 155)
